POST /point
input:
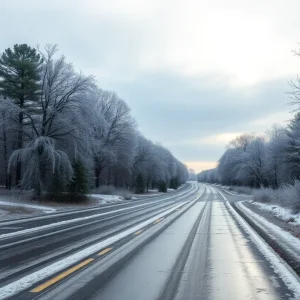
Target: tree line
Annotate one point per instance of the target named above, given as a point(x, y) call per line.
point(60, 132)
point(271, 160)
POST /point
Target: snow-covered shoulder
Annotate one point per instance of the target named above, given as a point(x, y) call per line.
point(285, 214)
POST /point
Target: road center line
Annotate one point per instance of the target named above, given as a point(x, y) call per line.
point(159, 220)
point(60, 276)
point(35, 277)
point(104, 251)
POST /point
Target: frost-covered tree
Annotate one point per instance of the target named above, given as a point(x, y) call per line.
point(118, 134)
point(41, 158)
point(67, 118)
point(275, 158)
point(19, 81)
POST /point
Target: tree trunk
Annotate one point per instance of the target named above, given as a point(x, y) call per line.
point(116, 181)
point(7, 182)
point(275, 179)
point(20, 145)
point(97, 178)
point(108, 176)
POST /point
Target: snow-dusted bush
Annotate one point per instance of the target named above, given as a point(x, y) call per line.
point(289, 195)
point(264, 195)
point(286, 196)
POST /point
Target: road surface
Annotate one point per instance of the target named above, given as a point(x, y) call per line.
point(186, 245)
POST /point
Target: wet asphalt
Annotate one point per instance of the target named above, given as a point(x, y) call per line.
point(204, 253)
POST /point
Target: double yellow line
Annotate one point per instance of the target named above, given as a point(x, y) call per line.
point(66, 273)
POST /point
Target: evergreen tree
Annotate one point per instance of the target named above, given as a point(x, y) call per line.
point(79, 183)
point(140, 185)
point(58, 185)
point(19, 77)
point(174, 183)
point(162, 186)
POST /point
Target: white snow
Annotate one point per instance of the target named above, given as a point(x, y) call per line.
point(286, 239)
point(104, 199)
point(46, 209)
point(31, 279)
point(277, 264)
point(282, 213)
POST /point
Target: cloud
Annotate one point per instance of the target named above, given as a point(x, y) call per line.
point(219, 139)
point(195, 73)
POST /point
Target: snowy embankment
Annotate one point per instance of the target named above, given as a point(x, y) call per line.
point(12, 208)
point(104, 199)
point(46, 209)
point(284, 242)
point(284, 214)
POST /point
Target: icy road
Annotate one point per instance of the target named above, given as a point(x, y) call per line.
point(187, 245)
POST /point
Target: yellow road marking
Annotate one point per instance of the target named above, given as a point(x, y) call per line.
point(60, 276)
point(157, 221)
point(138, 232)
point(104, 251)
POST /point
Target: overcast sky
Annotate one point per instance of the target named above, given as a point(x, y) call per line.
point(195, 73)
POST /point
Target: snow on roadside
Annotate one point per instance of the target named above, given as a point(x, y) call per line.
point(45, 209)
point(283, 237)
point(281, 269)
point(104, 199)
point(284, 214)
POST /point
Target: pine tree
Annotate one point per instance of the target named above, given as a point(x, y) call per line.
point(79, 184)
point(19, 76)
point(162, 186)
point(140, 185)
point(176, 183)
point(58, 185)
point(173, 183)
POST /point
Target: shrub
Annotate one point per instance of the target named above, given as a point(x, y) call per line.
point(264, 195)
point(286, 196)
point(162, 186)
point(139, 184)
